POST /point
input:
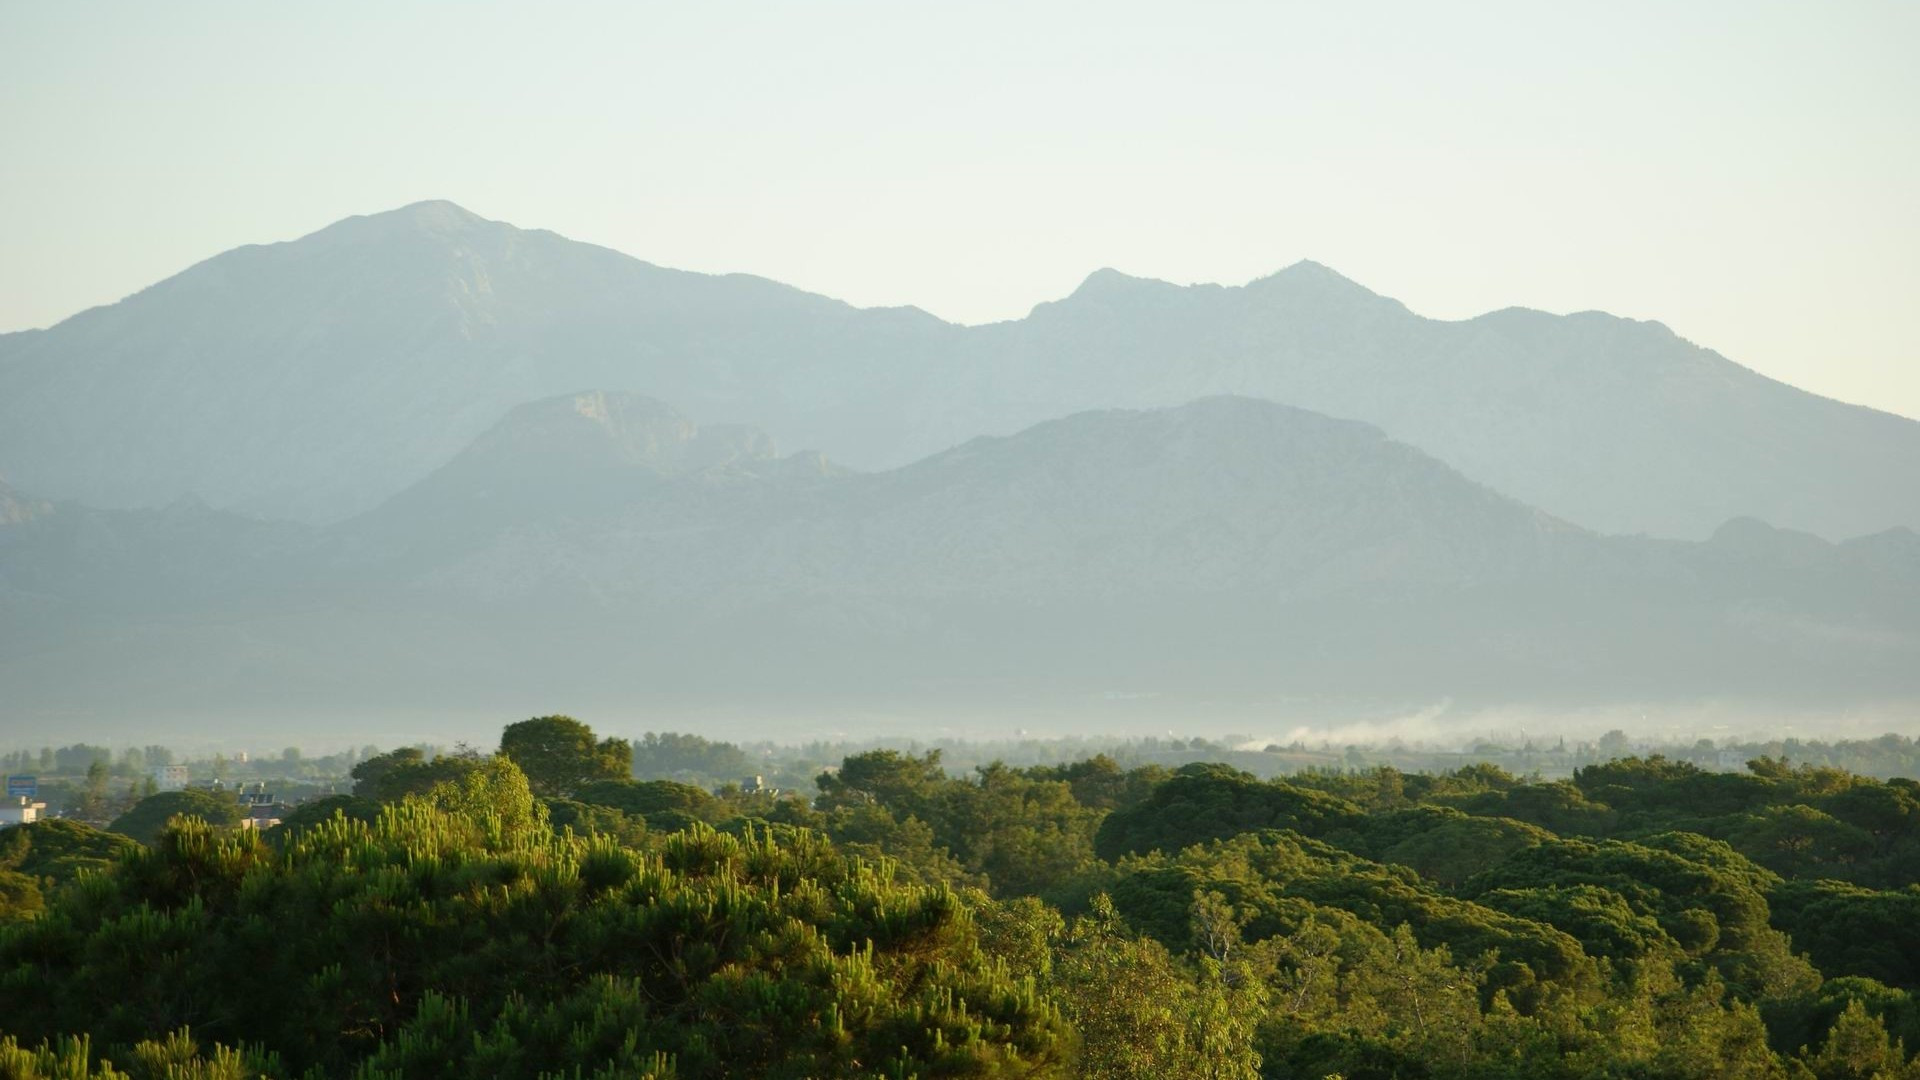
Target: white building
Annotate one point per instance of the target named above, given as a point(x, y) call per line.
point(170, 778)
point(20, 811)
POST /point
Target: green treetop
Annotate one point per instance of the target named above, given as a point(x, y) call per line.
point(559, 754)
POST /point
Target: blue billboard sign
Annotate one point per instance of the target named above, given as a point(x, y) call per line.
point(19, 787)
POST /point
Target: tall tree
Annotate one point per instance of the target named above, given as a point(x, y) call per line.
point(93, 804)
point(559, 753)
point(150, 815)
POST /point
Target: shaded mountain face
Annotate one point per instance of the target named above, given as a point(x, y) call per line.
point(316, 378)
point(166, 561)
point(602, 549)
point(578, 454)
point(1223, 496)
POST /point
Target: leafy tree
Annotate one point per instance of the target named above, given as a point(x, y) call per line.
point(1446, 846)
point(1021, 832)
point(672, 756)
point(1801, 841)
point(1704, 896)
point(1022, 933)
point(587, 820)
point(394, 775)
point(20, 896)
point(431, 943)
point(903, 783)
point(150, 815)
point(1282, 883)
point(1211, 802)
point(176, 1057)
point(1025, 835)
point(94, 803)
point(1858, 1048)
point(1604, 923)
point(1560, 807)
point(1099, 783)
point(558, 754)
point(651, 797)
point(1140, 1016)
point(496, 795)
point(1804, 1020)
point(1660, 785)
point(77, 759)
point(1850, 930)
point(875, 833)
point(310, 815)
point(56, 850)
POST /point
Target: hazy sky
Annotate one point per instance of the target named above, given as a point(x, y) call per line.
point(1748, 173)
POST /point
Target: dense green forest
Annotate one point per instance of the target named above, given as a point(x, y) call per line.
point(540, 911)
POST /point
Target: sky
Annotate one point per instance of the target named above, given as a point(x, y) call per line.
point(1747, 173)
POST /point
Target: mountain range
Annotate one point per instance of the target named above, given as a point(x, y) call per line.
point(367, 473)
point(313, 379)
point(602, 549)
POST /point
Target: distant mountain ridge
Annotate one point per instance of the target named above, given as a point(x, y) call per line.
point(315, 378)
point(601, 547)
point(578, 456)
point(1222, 495)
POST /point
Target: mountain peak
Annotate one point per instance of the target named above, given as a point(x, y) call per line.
point(1108, 281)
point(1313, 270)
point(432, 217)
point(1307, 274)
point(1317, 287)
point(440, 212)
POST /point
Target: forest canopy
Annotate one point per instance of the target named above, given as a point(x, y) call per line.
point(1644, 917)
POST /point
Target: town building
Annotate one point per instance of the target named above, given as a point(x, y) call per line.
point(20, 811)
point(259, 809)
